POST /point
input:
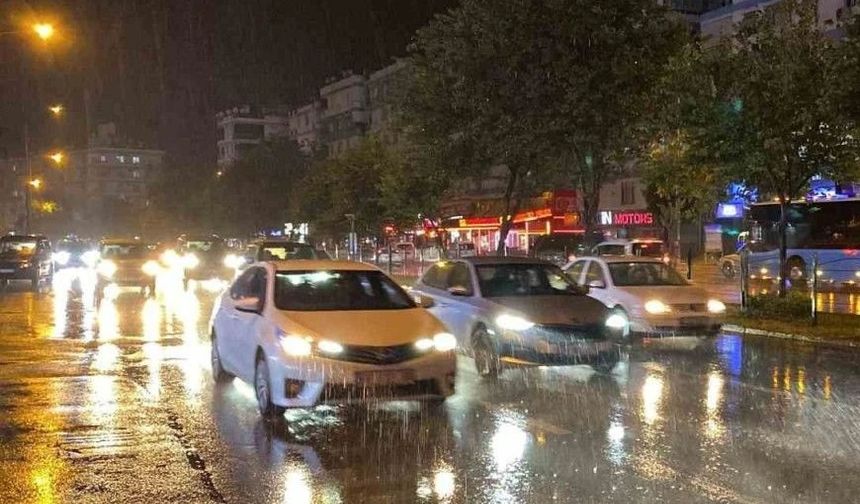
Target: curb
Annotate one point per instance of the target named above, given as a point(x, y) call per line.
point(743, 331)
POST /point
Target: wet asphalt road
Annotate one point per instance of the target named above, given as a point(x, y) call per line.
point(117, 405)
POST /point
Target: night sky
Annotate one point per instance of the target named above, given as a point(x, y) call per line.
point(161, 69)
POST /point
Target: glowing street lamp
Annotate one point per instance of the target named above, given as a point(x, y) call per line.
point(57, 109)
point(44, 30)
point(36, 183)
point(57, 157)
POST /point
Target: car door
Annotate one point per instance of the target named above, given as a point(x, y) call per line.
point(461, 306)
point(433, 284)
point(227, 320)
point(595, 279)
point(248, 323)
point(576, 272)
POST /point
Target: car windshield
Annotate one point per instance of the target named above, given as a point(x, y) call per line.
point(17, 248)
point(202, 246)
point(338, 291)
point(650, 249)
point(124, 251)
point(629, 274)
point(286, 251)
point(503, 280)
point(73, 247)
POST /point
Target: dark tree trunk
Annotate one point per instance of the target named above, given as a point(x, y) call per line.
point(590, 191)
point(512, 204)
point(783, 246)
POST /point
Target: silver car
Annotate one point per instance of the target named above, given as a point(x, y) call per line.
point(521, 311)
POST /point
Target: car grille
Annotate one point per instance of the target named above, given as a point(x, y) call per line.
point(690, 307)
point(570, 332)
point(379, 356)
point(334, 392)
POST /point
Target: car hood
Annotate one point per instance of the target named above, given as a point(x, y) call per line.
point(555, 310)
point(669, 294)
point(363, 327)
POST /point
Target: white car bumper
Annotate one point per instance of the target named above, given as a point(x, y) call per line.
point(308, 381)
point(681, 324)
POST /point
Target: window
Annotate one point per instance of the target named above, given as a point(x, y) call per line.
point(611, 250)
point(575, 271)
point(243, 131)
point(460, 278)
point(103, 158)
point(252, 283)
point(595, 274)
point(523, 279)
point(436, 277)
point(628, 192)
point(338, 290)
point(135, 174)
point(644, 273)
point(121, 159)
point(135, 159)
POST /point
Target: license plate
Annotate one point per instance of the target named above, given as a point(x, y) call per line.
point(693, 321)
point(7, 271)
point(384, 377)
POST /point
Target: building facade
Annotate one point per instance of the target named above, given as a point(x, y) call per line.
point(382, 87)
point(345, 117)
point(304, 124)
point(240, 129)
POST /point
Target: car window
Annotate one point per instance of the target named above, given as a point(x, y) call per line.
point(436, 276)
point(501, 280)
point(257, 287)
point(644, 274)
point(610, 250)
point(575, 271)
point(338, 291)
point(125, 250)
point(460, 277)
point(17, 247)
point(594, 274)
point(654, 249)
point(286, 251)
point(242, 286)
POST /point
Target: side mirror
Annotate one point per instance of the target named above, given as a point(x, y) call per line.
point(459, 290)
point(425, 301)
point(596, 284)
point(248, 304)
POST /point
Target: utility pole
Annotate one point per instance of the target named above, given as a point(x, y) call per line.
point(28, 187)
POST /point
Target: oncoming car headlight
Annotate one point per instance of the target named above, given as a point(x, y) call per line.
point(233, 261)
point(297, 346)
point(616, 321)
point(716, 306)
point(657, 307)
point(150, 268)
point(513, 323)
point(190, 261)
point(62, 257)
point(91, 257)
point(442, 342)
point(107, 268)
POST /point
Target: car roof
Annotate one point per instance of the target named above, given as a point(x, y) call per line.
point(321, 265)
point(479, 260)
point(280, 241)
point(625, 241)
point(625, 259)
point(20, 237)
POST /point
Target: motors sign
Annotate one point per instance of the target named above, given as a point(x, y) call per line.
point(612, 218)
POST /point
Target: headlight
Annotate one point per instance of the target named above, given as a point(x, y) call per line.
point(616, 321)
point(716, 306)
point(424, 344)
point(107, 268)
point(294, 345)
point(330, 347)
point(91, 257)
point(513, 323)
point(444, 342)
point(657, 307)
point(190, 261)
point(234, 261)
point(170, 258)
point(62, 257)
point(151, 268)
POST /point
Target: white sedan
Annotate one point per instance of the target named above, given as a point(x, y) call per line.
point(653, 296)
point(307, 332)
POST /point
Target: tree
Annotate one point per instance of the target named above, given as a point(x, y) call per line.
point(782, 122)
point(537, 86)
point(256, 191)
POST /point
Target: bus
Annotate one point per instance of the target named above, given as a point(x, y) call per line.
point(827, 229)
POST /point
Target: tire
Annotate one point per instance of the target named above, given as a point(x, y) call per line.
point(218, 372)
point(606, 365)
point(263, 391)
point(486, 357)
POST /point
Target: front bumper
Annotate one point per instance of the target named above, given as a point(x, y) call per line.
point(683, 324)
point(308, 381)
point(17, 273)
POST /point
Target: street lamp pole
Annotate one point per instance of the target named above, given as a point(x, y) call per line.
point(28, 188)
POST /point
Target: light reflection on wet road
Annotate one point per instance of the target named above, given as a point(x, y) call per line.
point(117, 404)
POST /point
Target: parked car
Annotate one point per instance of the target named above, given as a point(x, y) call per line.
point(639, 247)
point(513, 311)
point(651, 294)
point(25, 257)
point(307, 332)
point(127, 263)
point(274, 249)
point(400, 252)
point(559, 249)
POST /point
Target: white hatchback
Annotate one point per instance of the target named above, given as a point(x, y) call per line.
point(307, 332)
point(653, 296)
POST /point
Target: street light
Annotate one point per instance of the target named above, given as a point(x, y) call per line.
point(36, 183)
point(44, 30)
point(57, 157)
point(57, 110)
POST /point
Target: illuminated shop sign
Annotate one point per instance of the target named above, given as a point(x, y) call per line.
point(611, 218)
